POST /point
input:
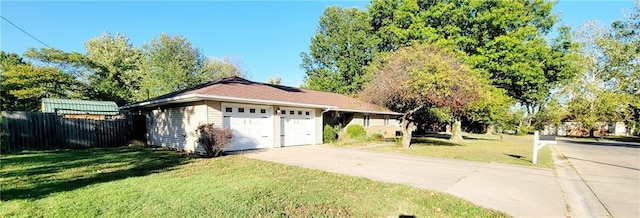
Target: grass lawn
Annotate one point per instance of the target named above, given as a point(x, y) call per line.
point(147, 182)
point(478, 147)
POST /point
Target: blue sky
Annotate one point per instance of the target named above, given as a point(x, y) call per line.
point(267, 36)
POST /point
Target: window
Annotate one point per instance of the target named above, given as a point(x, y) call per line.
point(240, 110)
point(252, 110)
point(283, 112)
point(386, 120)
point(292, 112)
point(228, 109)
point(366, 120)
point(306, 113)
point(263, 111)
point(299, 112)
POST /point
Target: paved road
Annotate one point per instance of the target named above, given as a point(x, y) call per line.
point(611, 172)
point(517, 190)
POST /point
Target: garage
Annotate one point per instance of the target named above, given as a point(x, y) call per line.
point(252, 126)
point(297, 126)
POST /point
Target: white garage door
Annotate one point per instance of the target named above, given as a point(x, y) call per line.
point(252, 126)
point(298, 126)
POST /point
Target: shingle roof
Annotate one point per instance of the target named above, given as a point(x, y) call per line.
point(235, 87)
point(73, 106)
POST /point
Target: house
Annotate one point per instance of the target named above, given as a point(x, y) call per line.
point(261, 115)
point(80, 109)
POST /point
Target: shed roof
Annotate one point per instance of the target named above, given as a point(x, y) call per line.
point(74, 106)
point(241, 90)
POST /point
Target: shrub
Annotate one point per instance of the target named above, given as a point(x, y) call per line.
point(213, 139)
point(377, 136)
point(329, 134)
point(356, 131)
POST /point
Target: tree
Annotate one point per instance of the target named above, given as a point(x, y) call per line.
point(275, 80)
point(214, 69)
point(597, 94)
point(170, 64)
point(422, 76)
point(339, 51)
point(116, 75)
point(26, 85)
point(503, 39)
point(8, 60)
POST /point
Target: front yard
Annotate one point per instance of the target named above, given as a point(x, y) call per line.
point(477, 147)
point(147, 182)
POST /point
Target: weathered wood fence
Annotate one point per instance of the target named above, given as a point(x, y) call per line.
point(45, 131)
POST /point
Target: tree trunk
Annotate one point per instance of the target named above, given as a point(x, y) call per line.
point(456, 134)
point(407, 132)
point(489, 129)
point(591, 132)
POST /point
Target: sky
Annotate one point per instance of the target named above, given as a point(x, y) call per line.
point(266, 36)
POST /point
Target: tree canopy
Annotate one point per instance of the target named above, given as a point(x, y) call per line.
point(339, 51)
point(423, 76)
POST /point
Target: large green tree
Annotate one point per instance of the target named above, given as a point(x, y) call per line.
point(25, 85)
point(422, 76)
point(171, 63)
point(503, 39)
point(339, 51)
point(115, 62)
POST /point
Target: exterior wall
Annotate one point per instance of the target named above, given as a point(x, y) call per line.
point(174, 126)
point(214, 113)
point(277, 129)
point(319, 127)
point(617, 128)
point(385, 131)
point(376, 124)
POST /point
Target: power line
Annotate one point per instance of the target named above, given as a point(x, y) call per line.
point(24, 31)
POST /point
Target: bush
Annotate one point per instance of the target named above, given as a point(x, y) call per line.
point(356, 131)
point(329, 134)
point(377, 136)
point(213, 139)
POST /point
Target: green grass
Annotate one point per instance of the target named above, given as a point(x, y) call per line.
point(477, 147)
point(146, 182)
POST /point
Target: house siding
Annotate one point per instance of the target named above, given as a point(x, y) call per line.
point(174, 126)
point(214, 113)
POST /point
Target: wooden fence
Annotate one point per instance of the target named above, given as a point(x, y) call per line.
point(45, 131)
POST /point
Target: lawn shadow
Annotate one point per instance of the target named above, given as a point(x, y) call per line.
point(46, 173)
point(424, 141)
point(448, 136)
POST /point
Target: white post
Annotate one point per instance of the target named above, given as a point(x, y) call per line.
point(536, 138)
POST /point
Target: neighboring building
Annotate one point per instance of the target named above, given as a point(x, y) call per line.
point(261, 115)
point(80, 109)
point(570, 128)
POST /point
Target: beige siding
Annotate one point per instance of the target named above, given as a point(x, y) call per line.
point(174, 127)
point(376, 120)
point(214, 113)
point(358, 118)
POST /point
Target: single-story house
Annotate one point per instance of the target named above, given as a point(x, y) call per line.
point(261, 115)
point(81, 109)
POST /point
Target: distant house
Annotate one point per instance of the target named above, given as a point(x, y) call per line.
point(80, 109)
point(261, 115)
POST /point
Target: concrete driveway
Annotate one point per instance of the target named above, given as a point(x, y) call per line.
point(610, 171)
point(517, 190)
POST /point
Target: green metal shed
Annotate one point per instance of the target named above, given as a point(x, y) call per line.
point(74, 106)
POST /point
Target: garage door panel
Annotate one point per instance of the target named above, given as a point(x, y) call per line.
point(298, 127)
point(252, 126)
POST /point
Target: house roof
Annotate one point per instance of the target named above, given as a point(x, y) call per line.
point(237, 89)
point(74, 106)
